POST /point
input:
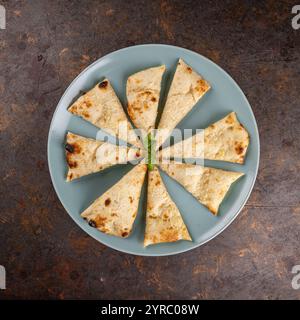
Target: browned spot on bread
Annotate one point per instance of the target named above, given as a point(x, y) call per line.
point(77, 148)
point(114, 214)
point(73, 108)
point(107, 202)
point(100, 221)
point(153, 99)
point(157, 183)
point(137, 154)
point(130, 199)
point(85, 114)
point(92, 223)
point(210, 208)
point(70, 176)
point(154, 239)
point(71, 164)
point(125, 234)
point(117, 158)
point(72, 148)
point(165, 217)
point(103, 84)
point(202, 86)
point(131, 109)
point(229, 119)
point(69, 147)
point(239, 148)
point(88, 103)
point(169, 235)
point(189, 69)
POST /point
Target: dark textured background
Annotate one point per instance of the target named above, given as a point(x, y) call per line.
point(46, 44)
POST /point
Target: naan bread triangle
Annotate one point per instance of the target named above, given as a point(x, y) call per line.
point(102, 108)
point(208, 185)
point(115, 211)
point(143, 92)
point(85, 155)
point(186, 90)
point(225, 140)
point(163, 219)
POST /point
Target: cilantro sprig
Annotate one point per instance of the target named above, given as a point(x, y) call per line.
point(150, 145)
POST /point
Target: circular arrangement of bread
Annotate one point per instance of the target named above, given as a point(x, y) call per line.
point(114, 212)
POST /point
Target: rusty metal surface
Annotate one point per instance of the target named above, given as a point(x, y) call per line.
point(45, 45)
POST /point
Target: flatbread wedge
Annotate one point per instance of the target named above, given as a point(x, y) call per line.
point(85, 156)
point(143, 92)
point(225, 140)
point(186, 90)
point(115, 211)
point(102, 108)
point(208, 185)
point(163, 219)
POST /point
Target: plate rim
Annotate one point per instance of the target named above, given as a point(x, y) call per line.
point(175, 252)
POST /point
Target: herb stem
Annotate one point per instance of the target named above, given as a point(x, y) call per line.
point(151, 144)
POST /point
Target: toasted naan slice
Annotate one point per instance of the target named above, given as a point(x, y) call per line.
point(114, 212)
point(208, 185)
point(225, 140)
point(186, 90)
point(143, 92)
point(85, 156)
point(163, 219)
point(102, 108)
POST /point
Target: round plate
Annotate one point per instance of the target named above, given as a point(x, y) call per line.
point(224, 97)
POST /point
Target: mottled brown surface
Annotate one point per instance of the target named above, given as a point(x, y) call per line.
point(46, 44)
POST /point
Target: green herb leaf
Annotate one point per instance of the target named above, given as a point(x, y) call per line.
point(151, 152)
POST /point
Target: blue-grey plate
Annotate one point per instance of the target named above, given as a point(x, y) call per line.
point(225, 96)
